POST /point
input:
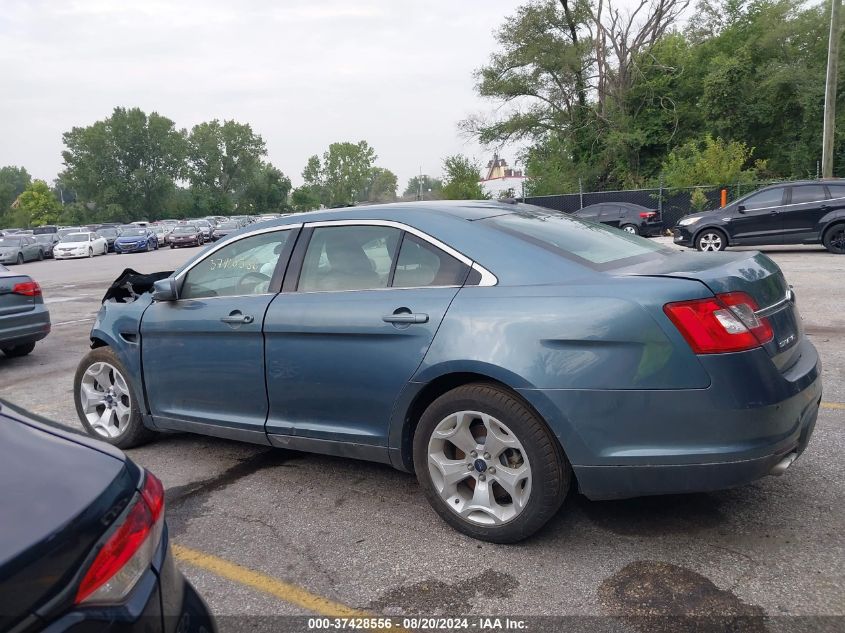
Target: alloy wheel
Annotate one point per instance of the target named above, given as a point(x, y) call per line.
point(710, 242)
point(105, 399)
point(479, 468)
point(629, 229)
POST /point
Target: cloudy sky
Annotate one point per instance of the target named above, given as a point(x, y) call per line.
point(303, 73)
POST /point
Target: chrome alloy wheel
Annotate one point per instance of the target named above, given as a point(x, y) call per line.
point(479, 468)
point(105, 399)
point(711, 242)
point(629, 228)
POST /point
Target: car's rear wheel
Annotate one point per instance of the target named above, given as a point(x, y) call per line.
point(17, 351)
point(489, 466)
point(834, 239)
point(90, 252)
point(40, 256)
point(630, 228)
point(711, 240)
point(105, 402)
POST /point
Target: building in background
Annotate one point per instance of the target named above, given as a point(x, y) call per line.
point(501, 181)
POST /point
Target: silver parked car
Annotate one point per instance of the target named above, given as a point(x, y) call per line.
point(17, 249)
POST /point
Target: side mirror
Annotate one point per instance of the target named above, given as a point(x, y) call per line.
point(741, 208)
point(165, 290)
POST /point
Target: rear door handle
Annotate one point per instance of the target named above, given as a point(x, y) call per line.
point(824, 208)
point(236, 318)
point(405, 317)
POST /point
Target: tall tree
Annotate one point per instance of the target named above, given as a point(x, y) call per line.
point(266, 190)
point(342, 174)
point(13, 182)
point(222, 158)
point(461, 179)
point(431, 188)
point(130, 159)
point(381, 186)
point(37, 205)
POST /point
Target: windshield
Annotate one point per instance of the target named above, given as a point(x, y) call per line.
point(228, 225)
point(44, 238)
point(591, 243)
point(10, 241)
point(133, 232)
point(108, 232)
point(185, 229)
point(75, 237)
point(68, 231)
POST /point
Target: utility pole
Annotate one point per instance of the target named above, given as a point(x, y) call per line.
point(830, 91)
point(420, 183)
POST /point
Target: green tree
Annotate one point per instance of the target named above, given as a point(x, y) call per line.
point(265, 191)
point(130, 159)
point(343, 173)
point(305, 198)
point(381, 186)
point(711, 162)
point(38, 205)
point(461, 179)
point(223, 158)
point(13, 182)
point(432, 188)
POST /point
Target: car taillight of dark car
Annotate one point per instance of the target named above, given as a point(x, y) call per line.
point(648, 215)
point(129, 551)
point(724, 323)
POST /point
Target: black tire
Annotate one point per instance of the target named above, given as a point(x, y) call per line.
point(551, 473)
point(834, 239)
point(17, 351)
point(630, 228)
point(711, 240)
point(19, 259)
point(135, 433)
point(40, 256)
point(90, 252)
point(172, 247)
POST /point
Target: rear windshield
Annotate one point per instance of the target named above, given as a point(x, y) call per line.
point(133, 232)
point(596, 245)
point(228, 225)
point(108, 232)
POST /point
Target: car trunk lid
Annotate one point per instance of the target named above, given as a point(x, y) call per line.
point(740, 271)
point(12, 302)
point(47, 537)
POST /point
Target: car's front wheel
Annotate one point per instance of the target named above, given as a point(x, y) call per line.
point(834, 239)
point(105, 402)
point(711, 240)
point(489, 466)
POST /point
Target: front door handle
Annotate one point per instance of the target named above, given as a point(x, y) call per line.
point(405, 318)
point(237, 318)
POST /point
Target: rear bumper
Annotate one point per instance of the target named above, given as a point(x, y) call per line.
point(629, 443)
point(27, 327)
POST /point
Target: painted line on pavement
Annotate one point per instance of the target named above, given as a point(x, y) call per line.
point(833, 405)
point(74, 321)
point(264, 583)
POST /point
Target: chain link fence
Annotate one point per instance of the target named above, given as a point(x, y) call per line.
point(673, 204)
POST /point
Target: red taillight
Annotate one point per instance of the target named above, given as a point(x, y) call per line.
point(724, 323)
point(27, 288)
point(127, 554)
point(645, 215)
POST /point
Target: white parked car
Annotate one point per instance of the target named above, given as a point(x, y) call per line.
point(83, 244)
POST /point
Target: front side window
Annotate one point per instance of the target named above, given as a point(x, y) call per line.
point(244, 267)
point(422, 264)
point(808, 193)
point(348, 258)
point(764, 199)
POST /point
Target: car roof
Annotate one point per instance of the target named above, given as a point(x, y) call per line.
point(630, 205)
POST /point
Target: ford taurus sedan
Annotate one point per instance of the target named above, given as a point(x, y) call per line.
point(84, 544)
point(500, 352)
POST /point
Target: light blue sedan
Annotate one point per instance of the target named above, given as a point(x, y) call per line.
point(501, 352)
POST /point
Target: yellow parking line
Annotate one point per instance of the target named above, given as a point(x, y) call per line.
point(264, 583)
point(833, 405)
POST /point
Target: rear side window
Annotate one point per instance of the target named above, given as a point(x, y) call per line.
point(348, 258)
point(808, 193)
point(836, 191)
point(596, 245)
point(422, 264)
point(764, 199)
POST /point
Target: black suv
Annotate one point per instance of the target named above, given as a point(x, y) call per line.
point(627, 216)
point(805, 212)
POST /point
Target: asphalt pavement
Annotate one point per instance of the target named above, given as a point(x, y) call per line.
point(305, 533)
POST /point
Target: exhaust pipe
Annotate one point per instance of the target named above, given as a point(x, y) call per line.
point(782, 465)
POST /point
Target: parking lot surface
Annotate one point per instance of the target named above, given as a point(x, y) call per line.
point(310, 534)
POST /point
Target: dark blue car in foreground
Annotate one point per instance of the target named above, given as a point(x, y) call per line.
point(500, 352)
point(84, 543)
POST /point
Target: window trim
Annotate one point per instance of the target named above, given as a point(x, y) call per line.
point(277, 276)
point(487, 277)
